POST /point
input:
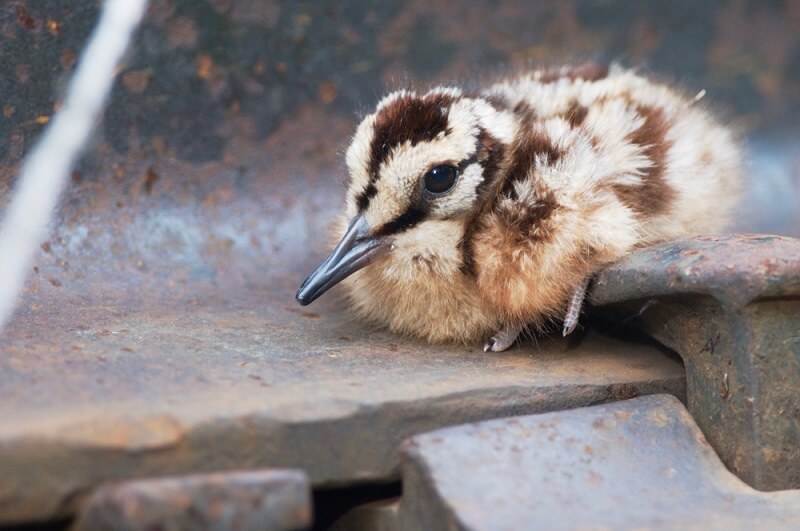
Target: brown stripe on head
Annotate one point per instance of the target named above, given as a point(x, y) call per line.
point(586, 72)
point(654, 195)
point(408, 118)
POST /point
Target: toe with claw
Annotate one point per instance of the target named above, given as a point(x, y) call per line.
point(503, 339)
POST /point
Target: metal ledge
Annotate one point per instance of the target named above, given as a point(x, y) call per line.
point(730, 306)
point(635, 464)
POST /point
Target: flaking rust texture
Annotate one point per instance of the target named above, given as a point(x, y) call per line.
point(158, 332)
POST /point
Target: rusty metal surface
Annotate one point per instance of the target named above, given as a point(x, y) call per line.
point(730, 306)
point(266, 390)
point(635, 464)
point(273, 500)
point(158, 332)
point(210, 78)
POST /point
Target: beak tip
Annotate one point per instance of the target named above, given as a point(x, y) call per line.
point(356, 249)
point(302, 298)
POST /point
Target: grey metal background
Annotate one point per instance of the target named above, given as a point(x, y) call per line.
point(208, 73)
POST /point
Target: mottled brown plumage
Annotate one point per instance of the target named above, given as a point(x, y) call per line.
point(474, 216)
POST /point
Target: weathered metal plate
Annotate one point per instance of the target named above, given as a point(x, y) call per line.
point(730, 306)
point(263, 500)
point(231, 384)
point(635, 464)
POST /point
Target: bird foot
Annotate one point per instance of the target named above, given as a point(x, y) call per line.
point(575, 305)
point(503, 339)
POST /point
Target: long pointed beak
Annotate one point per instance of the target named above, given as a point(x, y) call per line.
point(357, 249)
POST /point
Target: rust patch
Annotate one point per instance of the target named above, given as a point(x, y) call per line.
point(150, 179)
point(205, 64)
point(182, 33)
point(25, 19)
point(136, 82)
point(327, 93)
point(151, 433)
point(68, 58)
point(53, 27)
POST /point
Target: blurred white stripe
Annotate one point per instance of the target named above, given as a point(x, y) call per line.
point(46, 169)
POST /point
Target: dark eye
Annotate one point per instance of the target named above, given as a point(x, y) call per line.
point(440, 179)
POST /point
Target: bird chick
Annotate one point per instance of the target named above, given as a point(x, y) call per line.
point(474, 216)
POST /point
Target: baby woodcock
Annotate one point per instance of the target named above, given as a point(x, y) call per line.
point(477, 215)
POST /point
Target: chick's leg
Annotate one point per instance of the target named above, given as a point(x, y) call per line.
point(503, 339)
point(574, 309)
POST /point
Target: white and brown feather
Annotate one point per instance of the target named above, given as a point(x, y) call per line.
point(561, 172)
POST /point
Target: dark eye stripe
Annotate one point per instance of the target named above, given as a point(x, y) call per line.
point(412, 217)
point(364, 197)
